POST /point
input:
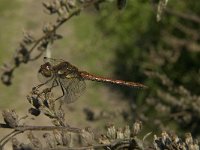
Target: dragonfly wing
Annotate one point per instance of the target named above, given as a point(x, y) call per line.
point(73, 88)
point(53, 61)
point(47, 80)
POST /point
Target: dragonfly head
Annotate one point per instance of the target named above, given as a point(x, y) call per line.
point(46, 70)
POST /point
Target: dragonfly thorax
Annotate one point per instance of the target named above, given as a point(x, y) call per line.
point(64, 69)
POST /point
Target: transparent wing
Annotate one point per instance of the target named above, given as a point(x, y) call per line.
point(73, 88)
point(46, 80)
point(65, 66)
point(53, 61)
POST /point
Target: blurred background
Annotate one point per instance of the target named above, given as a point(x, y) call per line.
point(126, 44)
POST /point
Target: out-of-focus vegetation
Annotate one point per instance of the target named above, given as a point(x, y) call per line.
point(165, 55)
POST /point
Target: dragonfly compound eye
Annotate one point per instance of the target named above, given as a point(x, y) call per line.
point(45, 70)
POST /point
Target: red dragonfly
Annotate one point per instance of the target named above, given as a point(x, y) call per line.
point(57, 72)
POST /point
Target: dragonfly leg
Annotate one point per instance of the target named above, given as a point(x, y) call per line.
point(54, 84)
point(63, 91)
point(47, 90)
point(40, 85)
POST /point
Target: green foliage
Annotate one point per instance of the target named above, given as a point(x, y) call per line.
point(6, 5)
point(163, 54)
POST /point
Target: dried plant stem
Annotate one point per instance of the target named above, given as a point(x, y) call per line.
point(8, 71)
point(42, 128)
point(10, 135)
point(7, 136)
point(117, 145)
point(59, 24)
point(21, 129)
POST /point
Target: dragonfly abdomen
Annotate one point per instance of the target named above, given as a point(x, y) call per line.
point(88, 76)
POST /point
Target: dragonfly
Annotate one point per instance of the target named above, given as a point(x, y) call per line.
point(57, 72)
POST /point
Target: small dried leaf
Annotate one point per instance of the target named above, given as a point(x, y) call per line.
point(49, 140)
point(48, 27)
point(119, 134)
point(137, 126)
point(34, 141)
point(58, 137)
point(103, 140)
point(111, 132)
point(15, 144)
point(161, 6)
point(188, 139)
point(87, 137)
point(28, 38)
point(48, 112)
point(56, 122)
point(165, 137)
point(10, 118)
point(127, 132)
point(43, 45)
point(7, 74)
point(71, 3)
point(50, 8)
point(21, 55)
